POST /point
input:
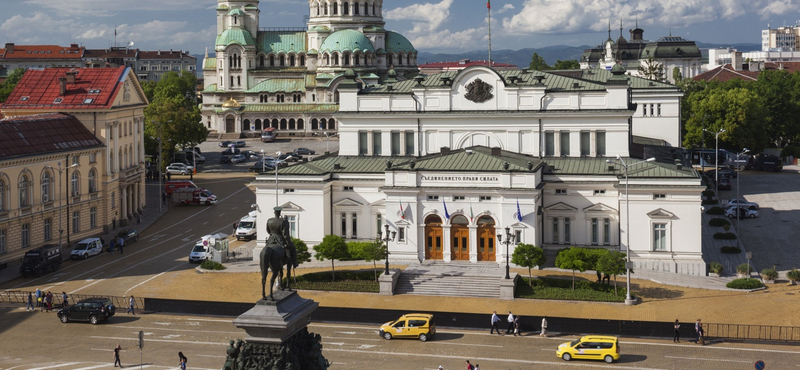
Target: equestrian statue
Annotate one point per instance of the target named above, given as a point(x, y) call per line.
point(278, 251)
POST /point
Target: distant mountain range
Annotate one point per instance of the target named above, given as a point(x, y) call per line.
point(522, 57)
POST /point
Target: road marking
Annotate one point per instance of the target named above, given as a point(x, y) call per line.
point(346, 332)
point(57, 365)
point(160, 340)
point(434, 342)
point(173, 329)
point(185, 239)
point(366, 346)
point(144, 282)
point(92, 367)
point(706, 359)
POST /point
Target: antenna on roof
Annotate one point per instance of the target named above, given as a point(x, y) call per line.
point(130, 44)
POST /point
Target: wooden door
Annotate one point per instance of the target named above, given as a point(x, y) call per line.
point(459, 232)
point(433, 238)
point(486, 239)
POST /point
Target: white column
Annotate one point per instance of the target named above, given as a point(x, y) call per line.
point(447, 248)
point(123, 203)
point(473, 243)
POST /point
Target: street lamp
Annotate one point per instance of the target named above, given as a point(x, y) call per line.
point(61, 210)
point(328, 136)
point(160, 165)
point(716, 160)
point(738, 216)
point(388, 238)
point(620, 161)
point(509, 240)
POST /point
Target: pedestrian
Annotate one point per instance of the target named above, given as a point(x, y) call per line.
point(116, 356)
point(495, 320)
point(182, 360)
point(64, 300)
point(164, 198)
point(131, 303)
point(477, 367)
point(29, 307)
point(510, 326)
point(234, 228)
point(49, 299)
point(698, 327)
point(121, 243)
point(543, 333)
point(677, 337)
point(469, 366)
point(38, 297)
point(516, 328)
point(111, 246)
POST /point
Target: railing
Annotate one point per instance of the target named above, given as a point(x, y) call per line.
point(284, 29)
point(21, 297)
point(753, 332)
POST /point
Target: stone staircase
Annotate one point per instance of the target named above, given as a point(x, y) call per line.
point(454, 280)
point(230, 136)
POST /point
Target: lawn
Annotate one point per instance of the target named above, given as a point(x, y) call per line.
point(561, 289)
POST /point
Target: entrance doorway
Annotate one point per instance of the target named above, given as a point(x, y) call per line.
point(433, 238)
point(486, 238)
point(230, 125)
point(460, 232)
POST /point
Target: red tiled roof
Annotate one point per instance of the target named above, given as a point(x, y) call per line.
point(726, 72)
point(465, 64)
point(43, 133)
point(94, 88)
point(42, 52)
point(162, 54)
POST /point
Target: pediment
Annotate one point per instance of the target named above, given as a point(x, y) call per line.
point(561, 207)
point(379, 203)
point(660, 213)
point(600, 208)
point(347, 202)
point(518, 225)
point(292, 207)
point(402, 222)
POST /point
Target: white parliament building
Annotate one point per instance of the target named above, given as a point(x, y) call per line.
point(450, 160)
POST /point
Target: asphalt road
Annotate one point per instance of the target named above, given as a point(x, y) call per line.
point(38, 341)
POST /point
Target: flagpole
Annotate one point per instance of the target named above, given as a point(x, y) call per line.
point(489, 9)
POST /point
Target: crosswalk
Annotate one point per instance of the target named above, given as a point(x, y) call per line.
point(91, 366)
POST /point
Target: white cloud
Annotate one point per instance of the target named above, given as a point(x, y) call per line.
point(505, 8)
point(427, 20)
point(111, 7)
point(425, 17)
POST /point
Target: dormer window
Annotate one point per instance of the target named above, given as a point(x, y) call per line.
point(57, 101)
point(88, 101)
point(25, 98)
point(235, 19)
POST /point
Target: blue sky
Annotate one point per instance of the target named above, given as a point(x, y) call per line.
point(434, 25)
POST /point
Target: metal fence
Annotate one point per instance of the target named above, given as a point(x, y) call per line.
point(753, 332)
point(21, 297)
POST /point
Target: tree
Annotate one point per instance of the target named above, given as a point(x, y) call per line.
point(302, 253)
point(538, 63)
point(370, 252)
point(677, 76)
point(737, 110)
point(572, 259)
point(333, 247)
point(567, 64)
point(651, 70)
point(612, 263)
point(528, 255)
point(10, 83)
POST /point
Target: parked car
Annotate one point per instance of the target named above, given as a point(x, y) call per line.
point(251, 155)
point(225, 159)
point(178, 170)
point(290, 157)
point(724, 183)
point(412, 325)
point(182, 165)
point(231, 151)
point(734, 212)
point(590, 347)
point(742, 202)
point(729, 173)
point(93, 310)
point(238, 158)
point(129, 235)
point(239, 144)
point(304, 151)
point(225, 144)
point(86, 248)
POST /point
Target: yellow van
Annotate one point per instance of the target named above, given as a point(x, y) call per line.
point(590, 347)
point(412, 325)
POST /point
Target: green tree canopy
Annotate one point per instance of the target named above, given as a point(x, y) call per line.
point(737, 110)
point(333, 247)
point(651, 69)
point(370, 252)
point(572, 259)
point(567, 64)
point(302, 250)
point(10, 83)
point(538, 63)
point(528, 255)
point(612, 263)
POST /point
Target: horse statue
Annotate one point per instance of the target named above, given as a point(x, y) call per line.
point(278, 251)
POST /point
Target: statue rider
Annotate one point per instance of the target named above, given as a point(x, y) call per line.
point(278, 229)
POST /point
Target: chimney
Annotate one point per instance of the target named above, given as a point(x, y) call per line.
point(159, 52)
point(445, 150)
point(337, 166)
point(71, 77)
point(9, 47)
point(62, 83)
point(497, 152)
point(736, 61)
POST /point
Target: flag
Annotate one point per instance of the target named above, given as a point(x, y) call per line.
point(446, 214)
point(402, 212)
point(489, 4)
point(471, 216)
point(519, 213)
point(408, 206)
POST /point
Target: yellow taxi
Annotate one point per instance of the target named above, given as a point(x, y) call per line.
point(590, 347)
point(412, 325)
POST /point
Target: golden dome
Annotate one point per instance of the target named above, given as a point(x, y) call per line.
point(231, 104)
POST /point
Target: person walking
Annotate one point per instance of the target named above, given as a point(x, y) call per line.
point(49, 300)
point(543, 333)
point(116, 356)
point(234, 229)
point(121, 243)
point(182, 360)
point(64, 300)
point(111, 246)
point(469, 366)
point(495, 321)
point(510, 326)
point(677, 337)
point(38, 297)
point(477, 367)
point(29, 307)
point(516, 328)
point(131, 304)
point(698, 327)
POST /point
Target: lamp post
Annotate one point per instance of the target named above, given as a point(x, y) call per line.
point(328, 136)
point(60, 194)
point(743, 152)
point(263, 162)
point(388, 238)
point(716, 160)
point(507, 242)
point(277, 164)
point(628, 299)
point(160, 165)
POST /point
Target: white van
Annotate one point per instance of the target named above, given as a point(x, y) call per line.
point(247, 227)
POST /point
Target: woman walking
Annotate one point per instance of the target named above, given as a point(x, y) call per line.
point(677, 337)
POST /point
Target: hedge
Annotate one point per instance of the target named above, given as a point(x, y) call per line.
point(346, 281)
point(710, 201)
point(745, 284)
point(719, 222)
point(730, 250)
point(769, 273)
point(725, 236)
point(561, 289)
point(211, 265)
point(716, 211)
point(716, 267)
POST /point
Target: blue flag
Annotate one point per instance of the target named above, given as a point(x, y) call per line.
point(519, 213)
point(446, 214)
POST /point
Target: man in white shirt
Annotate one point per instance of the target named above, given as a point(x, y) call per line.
point(495, 320)
point(510, 328)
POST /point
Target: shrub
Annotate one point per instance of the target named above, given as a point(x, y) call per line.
point(769, 274)
point(793, 275)
point(743, 268)
point(710, 201)
point(725, 236)
point(745, 284)
point(727, 227)
point(730, 250)
point(561, 289)
point(719, 222)
point(346, 281)
point(211, 265)
point(708, 193)
point(715, 267)
point(715, 211)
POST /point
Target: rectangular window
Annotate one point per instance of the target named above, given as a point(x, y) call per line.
point(344, 225)
point(658, 113)
point(485, 198)
point(567, 231)
point(606, 231)
point(433, 197)
point(409, 143)
point(556, 239)
point(348, 188)
point(517, 236)
point(48, 229)
point(395, 143)
point(378, 223)
point(93, 217)
point(362, 143)
point(354, 226)
point(599, 192)
point(25, 236)
point(376, 143)
point(659, 196)
point(401, 234)
point(93, 158)
point(76, 224)
point(76, 159)
point(564, 143)
point(292, 225)
point(2, 241)
point(601, 144)
point(549, 143)
point(458, 197)
point(595, 236)
point(288, 190)
point(561, 191)
point(660, 237)
point(585, 144)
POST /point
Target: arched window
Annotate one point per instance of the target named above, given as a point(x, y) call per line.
point(261, 61)
point(291, 60)
point(373, 8)
point(291, 124)
point(235, 19)
point(357, 59)
point(246, 125)
point(272, 61)
point(75, 183)
point(314, 124)
point(300, 124)
point(331, 124)
point(335, 8)
point(93, 181)
point(258, 125)
point(323, 124)
point(346, 9)
point(302, 60)
point(239, 80)
point(355, 8)
point(346, 59)
point(283, 124)
point(283, 60)
point(326, 60)
point(274, 123)
point(366, 8)
point(336, 59)
point(46, 196)
point(408, 59)
point(24, 191)
point(2, 194)
point(231, 81)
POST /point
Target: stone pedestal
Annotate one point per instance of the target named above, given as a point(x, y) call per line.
point(275, 321)
point(507, 287)
point(388, 282)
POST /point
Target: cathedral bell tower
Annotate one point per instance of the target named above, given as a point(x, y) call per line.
point(237, 28)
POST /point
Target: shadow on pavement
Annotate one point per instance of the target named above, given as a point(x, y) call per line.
point(629, 359)
point(447, 336)
point(658, 293)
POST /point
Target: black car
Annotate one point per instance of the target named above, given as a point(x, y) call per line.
point(225, 159)
point(290, 157)
point(724, 184)
point(239, 144)
point(729, 173)
point(231, 151)
point(92, 310)
point(304, 151)
point(225, 144)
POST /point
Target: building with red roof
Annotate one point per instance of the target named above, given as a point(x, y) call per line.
point(745, 71)
point(439, 67)
point(110, 103)
point(40, 56)
point(50, 174)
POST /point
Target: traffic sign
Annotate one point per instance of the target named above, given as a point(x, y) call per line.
point(141, 340)
point(760, 365)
